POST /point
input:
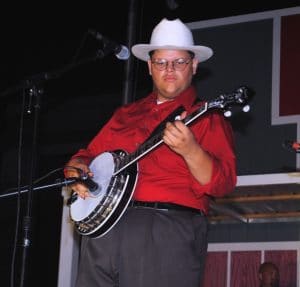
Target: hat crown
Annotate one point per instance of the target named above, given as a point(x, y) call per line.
point(171, 33)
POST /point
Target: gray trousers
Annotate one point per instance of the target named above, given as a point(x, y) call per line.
point(146, 248)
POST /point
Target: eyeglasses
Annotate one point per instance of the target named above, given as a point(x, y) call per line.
point(177, 64)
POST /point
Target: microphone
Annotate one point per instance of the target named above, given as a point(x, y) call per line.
point(93, 186)
point(109, 46)
point(90, 184)
point(292, 146)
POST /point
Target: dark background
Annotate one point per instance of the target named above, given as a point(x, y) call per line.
point(74, 104)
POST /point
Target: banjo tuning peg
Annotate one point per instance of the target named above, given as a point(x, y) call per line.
point(227, 113)
point(246, 108)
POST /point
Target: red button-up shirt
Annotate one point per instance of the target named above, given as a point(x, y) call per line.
point(163, 175)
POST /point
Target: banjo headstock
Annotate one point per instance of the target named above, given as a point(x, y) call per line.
point(239, 97)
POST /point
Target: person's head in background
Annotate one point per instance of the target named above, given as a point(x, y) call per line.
point(268, 274)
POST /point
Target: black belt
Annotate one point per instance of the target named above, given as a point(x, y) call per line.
point(164, 205)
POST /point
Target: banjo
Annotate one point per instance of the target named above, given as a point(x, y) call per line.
point(116, 173)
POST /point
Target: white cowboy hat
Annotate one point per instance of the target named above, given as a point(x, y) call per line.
point(171, 35)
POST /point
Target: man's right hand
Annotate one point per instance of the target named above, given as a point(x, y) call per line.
point(77, 168)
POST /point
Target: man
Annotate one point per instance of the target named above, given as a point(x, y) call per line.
point(268, 275)
point(161, 239)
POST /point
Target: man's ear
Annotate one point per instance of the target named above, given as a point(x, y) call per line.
point(195, 66)
point(149, 67)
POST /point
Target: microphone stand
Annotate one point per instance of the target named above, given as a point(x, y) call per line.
point(27, 220)
point(35, 93)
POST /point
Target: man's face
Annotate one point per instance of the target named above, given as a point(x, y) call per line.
point(172, 72)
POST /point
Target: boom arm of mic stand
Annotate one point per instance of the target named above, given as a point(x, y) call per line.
point(46, 76)
point(58, 183)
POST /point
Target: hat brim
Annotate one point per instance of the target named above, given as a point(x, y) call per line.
point(141, 51)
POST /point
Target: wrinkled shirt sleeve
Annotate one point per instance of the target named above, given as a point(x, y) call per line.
point(217, 139)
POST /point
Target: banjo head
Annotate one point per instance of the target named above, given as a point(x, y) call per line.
point(103, 168)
